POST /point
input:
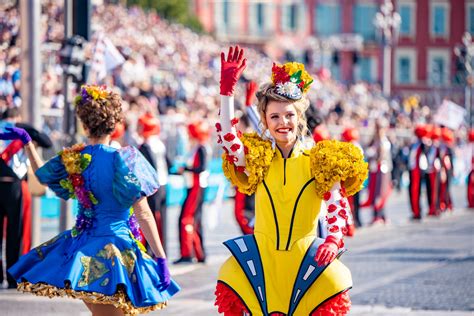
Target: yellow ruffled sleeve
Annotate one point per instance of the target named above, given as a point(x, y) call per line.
point(334, 161)
point(258, 157)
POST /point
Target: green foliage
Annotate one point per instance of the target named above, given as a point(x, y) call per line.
point(173, 10)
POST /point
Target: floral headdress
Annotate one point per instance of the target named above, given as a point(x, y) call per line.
point(291, 80)
point(91, 92)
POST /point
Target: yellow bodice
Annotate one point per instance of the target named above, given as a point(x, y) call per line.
point(286, 203)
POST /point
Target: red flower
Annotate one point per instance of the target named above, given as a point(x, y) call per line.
point(234, 121)
point(235, 147)
point(218, 127)
point(344, 230)
point(332, 220)
point(279, 74)
point(334, 229)
point(77, 180)
point(343, 214)
point(332, 208)
point(301, 85)
point(229, 137)
point(240, 168)
point(231, 158)
point(327, 196)
point(343, 203)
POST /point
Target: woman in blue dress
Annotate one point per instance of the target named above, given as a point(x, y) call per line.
point(101, 260)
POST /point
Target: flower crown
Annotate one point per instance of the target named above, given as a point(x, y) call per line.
point(291, 80)
point(91, 92)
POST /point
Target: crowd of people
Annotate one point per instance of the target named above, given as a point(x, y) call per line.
point(173, 85)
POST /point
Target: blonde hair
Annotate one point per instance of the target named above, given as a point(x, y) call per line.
point(267, 93)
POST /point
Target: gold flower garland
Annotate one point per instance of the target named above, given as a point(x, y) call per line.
point(258, 157)
point(334, 161)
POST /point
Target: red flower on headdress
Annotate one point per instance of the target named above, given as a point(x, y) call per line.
point(279, 74)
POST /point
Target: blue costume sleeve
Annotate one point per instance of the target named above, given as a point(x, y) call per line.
point(134, 176)
point(51, 173)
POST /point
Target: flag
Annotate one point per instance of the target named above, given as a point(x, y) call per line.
point(105, 58)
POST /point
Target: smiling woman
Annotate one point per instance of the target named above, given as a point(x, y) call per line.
point(284, 268)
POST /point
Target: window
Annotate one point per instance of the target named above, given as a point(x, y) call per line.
point(365, 70)
point(406, 15)
point(261, 18)
point(439, 19)
point(327, 19)
point(364, 20)
point(405, 65)
point(291, 19)
point(438, 67)
point(470, 18)
point(260, 10)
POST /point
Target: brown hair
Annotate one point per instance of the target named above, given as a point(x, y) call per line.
point(100, 116)
point(267, 92)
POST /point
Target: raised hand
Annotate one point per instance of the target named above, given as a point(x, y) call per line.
point(231, 69)
point(163, 272)
point(251, 88)
point(12, 133)
point(327, 252)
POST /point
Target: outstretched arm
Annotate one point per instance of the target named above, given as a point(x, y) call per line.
point(231, 70)
point(12, 133)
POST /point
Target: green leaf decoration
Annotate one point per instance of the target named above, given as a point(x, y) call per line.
point(85, 161)
point(307, 84)
point(77, 99)
point(66, 184)
point(74, 232)
point(296, 77)
point(92, 198)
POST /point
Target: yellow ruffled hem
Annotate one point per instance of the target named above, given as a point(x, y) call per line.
point(119, 299)
point(333, 161)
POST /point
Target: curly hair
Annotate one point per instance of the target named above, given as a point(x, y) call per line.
point(267, 93)
point(100, 116)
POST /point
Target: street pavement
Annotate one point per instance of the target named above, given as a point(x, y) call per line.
point(402, 268)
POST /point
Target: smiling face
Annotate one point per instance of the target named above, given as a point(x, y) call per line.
point(281, 119)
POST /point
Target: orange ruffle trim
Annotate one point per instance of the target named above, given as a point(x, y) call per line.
point(119, 299)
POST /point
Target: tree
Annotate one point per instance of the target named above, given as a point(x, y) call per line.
point(176, 11)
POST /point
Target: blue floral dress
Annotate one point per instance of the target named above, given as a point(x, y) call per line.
point(103, 263)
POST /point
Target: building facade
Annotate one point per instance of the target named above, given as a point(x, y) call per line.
point(340, 35)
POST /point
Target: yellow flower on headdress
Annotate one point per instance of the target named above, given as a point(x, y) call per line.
point(97, 92)
point(291, 76)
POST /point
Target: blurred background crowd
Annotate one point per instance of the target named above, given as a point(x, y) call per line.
point(172, 72)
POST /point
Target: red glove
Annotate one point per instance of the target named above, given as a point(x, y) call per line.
point(327, 252)
point(250, 93)
point(231, 69)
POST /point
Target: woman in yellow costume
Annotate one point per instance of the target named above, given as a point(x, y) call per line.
point(284, 268)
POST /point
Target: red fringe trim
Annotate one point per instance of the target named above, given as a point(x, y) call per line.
point(336, 306)
point(228, 302)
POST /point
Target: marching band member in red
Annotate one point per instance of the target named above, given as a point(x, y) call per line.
point(417, 166)
point(190, 219)
point(446, 155)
